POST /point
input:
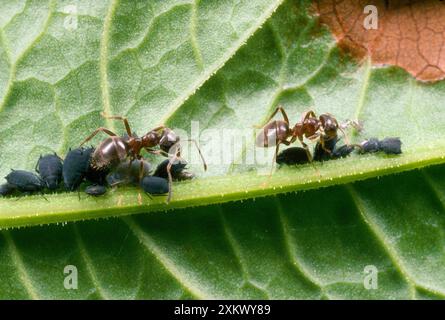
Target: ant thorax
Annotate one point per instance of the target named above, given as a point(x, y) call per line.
point(310, 127)
point(297, 130)
point(135, 145)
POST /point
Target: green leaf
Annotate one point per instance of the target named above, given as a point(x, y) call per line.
point(147, 62)
point(308, 245)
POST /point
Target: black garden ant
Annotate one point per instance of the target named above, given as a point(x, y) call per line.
point(278, 132)
point(116, 149)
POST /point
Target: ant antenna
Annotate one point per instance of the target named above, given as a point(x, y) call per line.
point(43, 196)
point(148, 195)
point(356, 124)
point(200, 153)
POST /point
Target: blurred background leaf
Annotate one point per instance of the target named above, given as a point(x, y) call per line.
point(309, 245)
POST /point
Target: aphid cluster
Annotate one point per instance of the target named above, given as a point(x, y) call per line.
point(49, 169)
point(323, 129)
point(115, 161)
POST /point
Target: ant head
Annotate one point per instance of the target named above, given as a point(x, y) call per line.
point(151, 139)
point(168, 139)
point(329, 125)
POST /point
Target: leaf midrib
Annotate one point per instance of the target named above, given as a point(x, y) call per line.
point(32, 210)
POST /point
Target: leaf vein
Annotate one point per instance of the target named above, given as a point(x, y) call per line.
point(103, 60)
point(149, 244)
point(193, 36)
point(88, 263)
point(13, 66)
point(219, 63)
point(292, 250)
point(390, 251)
point(22, 273)
point(237, 252)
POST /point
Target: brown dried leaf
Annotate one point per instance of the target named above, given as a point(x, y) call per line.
point(410, 34)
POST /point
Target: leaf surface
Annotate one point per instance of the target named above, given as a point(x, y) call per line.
point(148, 67)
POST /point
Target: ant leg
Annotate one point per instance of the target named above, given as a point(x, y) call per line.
point(158, 128)
point(344, 135)
point(124, 119)
point(170, 178)
point(131, 162)
point(114, 184)
point(101, 129)
point(356, 124)
point(37, 165)
point(306, 115)
point(314, 136)
point(323, 146)
point(279, 108)
point(277, 148)
point(43, 196)
point(309, 156)
point(148, 195)
point(199, 151)
point(323, 143)
point(141, 168)
point(306, 148)
point(350, 123)
point(158, 152)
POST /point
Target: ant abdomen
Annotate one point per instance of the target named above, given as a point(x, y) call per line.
point(272, 133)
point(110, 153)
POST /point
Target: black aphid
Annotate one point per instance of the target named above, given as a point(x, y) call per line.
point(97, 176)
point(154, 185)
point(391, 146)
point(332, 150)
point(50, 169)
point(387, 145)
point(177, 170)
point(76, 166)
point(95, 190)
point(293, 156)
point(370, 145)
point(128, 172)
point(7, 189)
point(25, 181)
point(343, 151)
